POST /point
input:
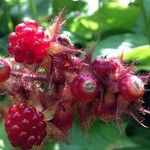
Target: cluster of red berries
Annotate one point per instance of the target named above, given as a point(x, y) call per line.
point(25, 126)
point(121, 88)
point(28, 43)
point(114, 75)
point(62, 86)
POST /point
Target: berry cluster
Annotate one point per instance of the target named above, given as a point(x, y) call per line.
point(25, 126)
point(66, 83)
point(28, 43)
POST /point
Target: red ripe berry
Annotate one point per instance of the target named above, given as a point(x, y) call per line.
point(19, 28)
point(131, 87)
point(29, 43)
point(32, 24)
point(84, 88)
point(27, 34)
point(106, 67)
point(25, 126)
point(4, 70)
point(40, 33)
point(13, 38)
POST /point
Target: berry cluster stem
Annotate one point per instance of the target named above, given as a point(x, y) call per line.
point(33, 76)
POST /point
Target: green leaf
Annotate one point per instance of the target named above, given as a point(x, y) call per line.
point(48, 145)
point(105, 21)
point(43, 9)
point(133, 46)
point(133, 148)
point(141, 55)
point(68, 5)
point(116, 43)
point(3, 45)
point(4, 143)
point(138, 135)
point(102, 136)
point(23, 10)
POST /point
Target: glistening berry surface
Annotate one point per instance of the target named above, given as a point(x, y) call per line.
point(25, 126)
point(29, 43)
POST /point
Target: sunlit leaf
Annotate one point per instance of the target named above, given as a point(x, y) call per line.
point(141, 55)
point(105, 21)
point(133, 47)
point(116, 43)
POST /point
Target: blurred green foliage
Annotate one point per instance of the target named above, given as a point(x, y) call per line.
point(113, 26)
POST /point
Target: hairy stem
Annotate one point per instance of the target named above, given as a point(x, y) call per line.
point(32, 76)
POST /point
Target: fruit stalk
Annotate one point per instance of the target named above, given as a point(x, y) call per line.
point(33, 76)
